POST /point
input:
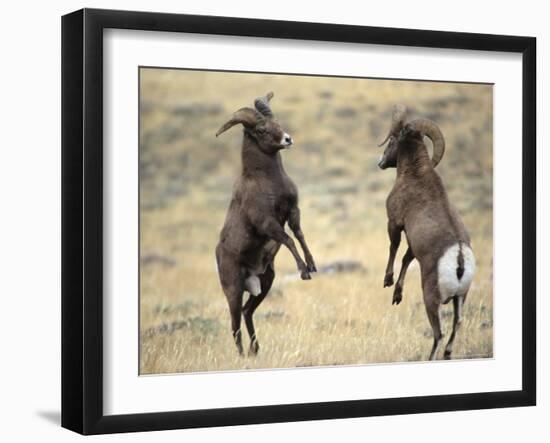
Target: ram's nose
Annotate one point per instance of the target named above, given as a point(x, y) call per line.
point(287, 140)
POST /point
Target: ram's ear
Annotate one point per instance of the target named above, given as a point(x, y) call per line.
point(405, 131)
point(262, 105)
point(399, 115)
point(248, 117)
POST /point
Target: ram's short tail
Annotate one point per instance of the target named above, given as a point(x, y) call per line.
point(455, 271)
point(460, 263)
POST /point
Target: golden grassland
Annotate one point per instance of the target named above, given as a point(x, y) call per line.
point(186, 175)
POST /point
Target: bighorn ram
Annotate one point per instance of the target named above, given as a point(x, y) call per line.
point(264, 200)
point(418, 204)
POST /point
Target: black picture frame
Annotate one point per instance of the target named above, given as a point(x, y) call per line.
point(82, 220)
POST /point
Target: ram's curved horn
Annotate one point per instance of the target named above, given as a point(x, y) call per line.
point(397, 122)
point(432, 131)
point(248, 117)
point(262, 105)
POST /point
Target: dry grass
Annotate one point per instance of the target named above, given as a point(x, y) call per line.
point(346, 318)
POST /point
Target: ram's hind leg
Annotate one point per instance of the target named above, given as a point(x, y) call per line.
point(458, 303)
point(432, 301)
point(232, 281)
point(266, 280)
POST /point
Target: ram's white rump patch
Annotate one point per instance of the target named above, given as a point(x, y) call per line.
point(448, 282)
point(252, 285)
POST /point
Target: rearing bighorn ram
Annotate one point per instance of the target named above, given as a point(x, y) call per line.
point(418, 204)
point(264, 200)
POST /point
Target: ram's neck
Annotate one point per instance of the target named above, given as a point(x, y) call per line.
point(413, 160)
point(255, 161)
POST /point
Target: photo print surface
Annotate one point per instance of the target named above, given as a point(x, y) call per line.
point(270, 218)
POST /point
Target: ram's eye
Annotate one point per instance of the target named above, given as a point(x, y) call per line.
point(260, 130)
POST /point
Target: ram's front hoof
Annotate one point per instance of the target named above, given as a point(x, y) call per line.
point(311, 265)
point(305, 275)
point(397, 295)
point(388, 280)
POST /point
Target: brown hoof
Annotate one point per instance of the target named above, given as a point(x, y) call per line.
point(397, 295)
point(388, 280)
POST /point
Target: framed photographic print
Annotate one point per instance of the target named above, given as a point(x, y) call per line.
point(271, 221)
